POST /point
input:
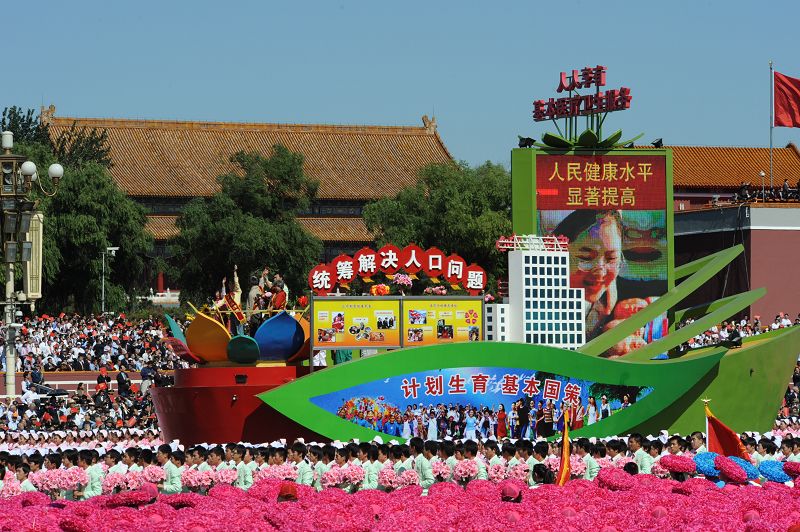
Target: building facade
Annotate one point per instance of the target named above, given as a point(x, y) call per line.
point(542, 308)
point(165, 164)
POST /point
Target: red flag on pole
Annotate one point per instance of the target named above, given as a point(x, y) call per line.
point(722, 440)
point(787, 101)
point(564, 469)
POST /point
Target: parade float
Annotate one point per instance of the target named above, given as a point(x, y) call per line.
point(594, 299)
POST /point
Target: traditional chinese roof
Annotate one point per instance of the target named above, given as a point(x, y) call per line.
point(328, 229)
point(161, 158)
point(162, 227)
point(718, 167)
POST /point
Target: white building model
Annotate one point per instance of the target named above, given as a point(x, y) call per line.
point(541, 307)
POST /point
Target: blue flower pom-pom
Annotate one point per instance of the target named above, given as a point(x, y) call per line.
point(772, 470)
point(705, 464)
point(750, 469)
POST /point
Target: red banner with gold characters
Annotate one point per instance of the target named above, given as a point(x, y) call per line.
point(629, 182)
point(390, 260)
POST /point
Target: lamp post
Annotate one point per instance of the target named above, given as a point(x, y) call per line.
point(18, 178)
point(113, 252)
point(763, 193)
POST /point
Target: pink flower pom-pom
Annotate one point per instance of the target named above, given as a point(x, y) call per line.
point(73, 477)
point(577, 467)
point(605, 462)
point(408, 478)
point(154, 474)
point(46, 480)
point(440, 470)
point(519, 472)
point(354, 474)
point(387, 477)
point(332, 477)
point(10, 488)
point(614, 479)
point(465, 470)
point(280, 472)
point(659, 470)
point(552, 463)
point(188, 478)
point(497, 473)
point(677, 463)
point(622, 460)
point(134, 479)
point(225, 476)
point(729, 470)
point(112, 482)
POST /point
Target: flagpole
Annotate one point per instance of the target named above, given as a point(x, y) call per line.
point(771, 118)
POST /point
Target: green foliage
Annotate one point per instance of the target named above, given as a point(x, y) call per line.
point(25, 125)
point(249, 223)
point(88, 214)
point(456, 208)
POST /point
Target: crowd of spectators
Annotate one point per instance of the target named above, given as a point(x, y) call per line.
point(107, 407)
point(88, 343)
point(734, 331)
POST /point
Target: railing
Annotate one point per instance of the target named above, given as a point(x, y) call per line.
point(532, 243)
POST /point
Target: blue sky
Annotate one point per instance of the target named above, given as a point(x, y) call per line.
point(697, 69)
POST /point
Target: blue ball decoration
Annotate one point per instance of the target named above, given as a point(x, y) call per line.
point(705, 464)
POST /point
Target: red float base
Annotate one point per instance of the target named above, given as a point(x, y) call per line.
point(219, 405)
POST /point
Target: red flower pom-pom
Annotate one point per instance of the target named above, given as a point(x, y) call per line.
point(677, 464)
point(614, 479)
point(729, 470)
point(792, 469)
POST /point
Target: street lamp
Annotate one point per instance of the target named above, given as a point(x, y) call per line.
point(763, 194)
point(113, 252)
point(18, 210)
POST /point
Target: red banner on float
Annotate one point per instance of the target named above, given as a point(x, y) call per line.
point(627, 182)
point(474, 280)
point(344, 267)
point(434, 263)
point(389, 259)
point(412, 259)
point(321, 279)
point(366, 262)
point(454, 267)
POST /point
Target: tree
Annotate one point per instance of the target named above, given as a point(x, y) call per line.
point(25, 125)
point(88, 214)
point(453, 207)
point(250, 223)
